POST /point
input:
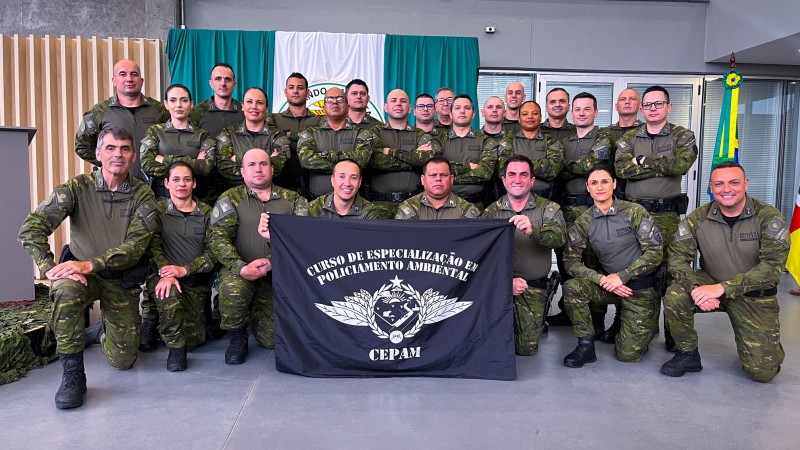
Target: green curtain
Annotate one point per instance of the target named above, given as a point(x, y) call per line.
point(423, 64)
point(193, 53)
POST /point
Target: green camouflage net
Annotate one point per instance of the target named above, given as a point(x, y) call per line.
point(20, 352)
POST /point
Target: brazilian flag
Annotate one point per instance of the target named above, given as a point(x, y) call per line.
point(726, 146)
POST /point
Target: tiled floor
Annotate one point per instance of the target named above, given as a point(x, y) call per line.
point(607, 404)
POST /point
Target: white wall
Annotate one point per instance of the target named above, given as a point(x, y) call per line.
point(544, 34)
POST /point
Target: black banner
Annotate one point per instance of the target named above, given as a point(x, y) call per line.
point(392, 298)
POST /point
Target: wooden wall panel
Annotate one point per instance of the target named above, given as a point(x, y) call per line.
point(50, 82)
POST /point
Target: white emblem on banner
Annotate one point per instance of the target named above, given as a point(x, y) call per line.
point(396, 311)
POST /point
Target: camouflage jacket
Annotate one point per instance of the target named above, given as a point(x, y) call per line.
point(512, 126)
point(667, 157)
point(402, 144)
point(361, 209)
point(419, 208)
point(615, 131)
point(546, 154)
point(207, 116)
point(749, 256)
point(111, 229)
point(233, 232)
point(236, 141)
point(581, 155)
point(558, 134)
point(625, 240)
point(180, 239)
point(476, 147)
point(292, 126)
point(176, 145)
point(110, 112)
point(368, 122)
point(533, 254)
point(321, 147)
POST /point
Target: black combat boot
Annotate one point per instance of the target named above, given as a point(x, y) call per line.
point(598, 322)
point(608, 336)
point(176, 361)
point(73, 382)
point(583, 353)
point(213, 331)
point(92, 334)
point(237, 349)
point(561, 319)
point(681, 363)
point(148, 335)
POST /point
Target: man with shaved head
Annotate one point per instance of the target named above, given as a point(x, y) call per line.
point(515, 97)
point(493, 112)
point(399, 151)
point(128, 109)
point(245, 281)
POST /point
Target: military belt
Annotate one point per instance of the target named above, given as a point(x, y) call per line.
point(765, 293)
point(578, 200)
point(394, 197)
point(541, 283)
point(676, 204)
point(109, 274)
point(644, 282)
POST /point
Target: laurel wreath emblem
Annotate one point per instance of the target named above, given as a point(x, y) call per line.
point(359, 308)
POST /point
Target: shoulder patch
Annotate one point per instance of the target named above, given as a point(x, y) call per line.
point(645, 227)
point(576, 239)
point(222, 209)
point(149, 142)
point(472, 212)
point(776, 228)
point(223, 138)
point(684, 232)
point(602, 152)
point(404, 211)
point(147, 210)
point(553, 212)
point(88, 124)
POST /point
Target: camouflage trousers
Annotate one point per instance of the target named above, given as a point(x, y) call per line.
point(571, 213)
point(149, 307)
point(119, 310)
point(667, 223)
point(242, 301)
point(528, 320)
point(639, 316)
point(181, 315)
point(755, 323)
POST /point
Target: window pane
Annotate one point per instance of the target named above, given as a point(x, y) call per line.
point(495, 83)
point(604, 92)
point(680, 95)
point(758, 126)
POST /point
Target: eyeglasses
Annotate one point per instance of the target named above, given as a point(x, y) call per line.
point(337, 99)
point(445, 101)
point(656, 105)
point(425, 106)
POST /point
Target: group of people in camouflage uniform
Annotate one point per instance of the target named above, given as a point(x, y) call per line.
point(554, 181)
